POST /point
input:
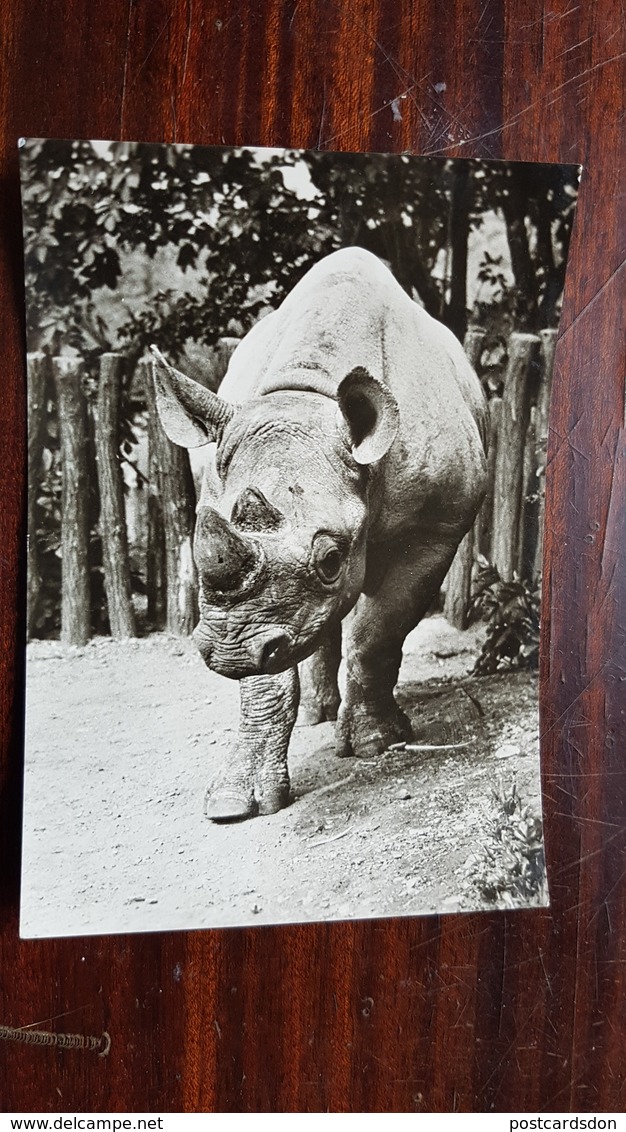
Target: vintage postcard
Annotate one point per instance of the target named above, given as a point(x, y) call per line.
point(288, 415)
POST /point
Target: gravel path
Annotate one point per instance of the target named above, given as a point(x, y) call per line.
point(123, 738)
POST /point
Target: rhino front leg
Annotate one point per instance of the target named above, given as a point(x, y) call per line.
point(255, 779)
point(319, 698)
point(404, 581)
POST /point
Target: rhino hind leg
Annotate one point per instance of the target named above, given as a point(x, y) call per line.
point(370, 720)
point(365, 730)
point(319, 691)
point(255, 777)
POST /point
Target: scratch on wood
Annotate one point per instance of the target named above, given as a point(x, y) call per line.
point(101, 1045)
point(159, 37)
point(319, 135)
point(582, 858)
point(591, 302)
point(546, 976)
point(550, 17)
point(551, 726)
point(573, 47)
point(187, 40)
point(124, 77)
point(521, 1027)
point(374, 114)
point(293, 15)
point(531, 106)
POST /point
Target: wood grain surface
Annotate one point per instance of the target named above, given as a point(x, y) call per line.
point(517, 1011)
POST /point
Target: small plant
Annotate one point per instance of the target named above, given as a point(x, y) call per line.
point(509, 870)
point(511, 611)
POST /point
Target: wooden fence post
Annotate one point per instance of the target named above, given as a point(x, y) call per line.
point(37, 369)
point(484, 522)
point(155, 551)
point(514, 417)
point(548, 347)
point(112, 515)
point(528, 511)
point(473, 344)
point(177, 495)
point(75, 619)
point(459, 583)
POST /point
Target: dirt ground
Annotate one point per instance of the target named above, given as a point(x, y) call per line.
point(123, 739)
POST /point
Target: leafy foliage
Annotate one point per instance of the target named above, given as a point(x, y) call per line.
point(128, 243)
point(224, 234)
point(509, 870)
point(511, 610)
point(537, 202)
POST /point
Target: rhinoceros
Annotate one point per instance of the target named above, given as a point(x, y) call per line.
point(347, 463)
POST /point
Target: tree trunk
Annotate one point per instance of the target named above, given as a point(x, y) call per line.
point(155, 557)
point(405, 256)
point(177, 496)
point(75, 620)
point(484, 523)
point(514, 211)
point(458, 235)
point(459, 583)
point(225, 349)
point(514, 417)
point(37, 368)
point(528, 518)
point(424, 284)
point(112, 517)
point(548, 346)
point(552, 284)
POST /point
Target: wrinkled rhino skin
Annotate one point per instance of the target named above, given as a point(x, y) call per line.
point(347, 462)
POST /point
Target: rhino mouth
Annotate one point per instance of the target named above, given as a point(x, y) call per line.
point(264, 654)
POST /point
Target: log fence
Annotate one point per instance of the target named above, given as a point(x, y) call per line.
point(37, 367)
point(113, 529)
point(509, 527)
point(72, 425)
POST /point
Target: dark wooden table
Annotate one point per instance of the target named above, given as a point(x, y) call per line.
point(517, 1011)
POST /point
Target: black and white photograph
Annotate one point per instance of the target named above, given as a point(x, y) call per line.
point(287, 428)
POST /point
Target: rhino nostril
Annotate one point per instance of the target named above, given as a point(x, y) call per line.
point(273, 650)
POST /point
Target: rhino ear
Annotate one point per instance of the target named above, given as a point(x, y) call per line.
point(371, 413)
point(190, 414)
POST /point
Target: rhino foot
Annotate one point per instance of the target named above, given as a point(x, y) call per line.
point(228, 804)
point(272, 787)
point(235, 801)
point(316, 711)
point(271, 801)
point(365, 734)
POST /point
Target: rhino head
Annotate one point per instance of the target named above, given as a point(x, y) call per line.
point(280, 539)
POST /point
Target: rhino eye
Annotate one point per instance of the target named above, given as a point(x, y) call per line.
point(327, 559)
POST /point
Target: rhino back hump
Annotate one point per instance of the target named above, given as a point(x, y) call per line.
point(349, 311)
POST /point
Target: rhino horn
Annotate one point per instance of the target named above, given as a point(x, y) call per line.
point(223, 556)
point(253, 512)
point(190, 414)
